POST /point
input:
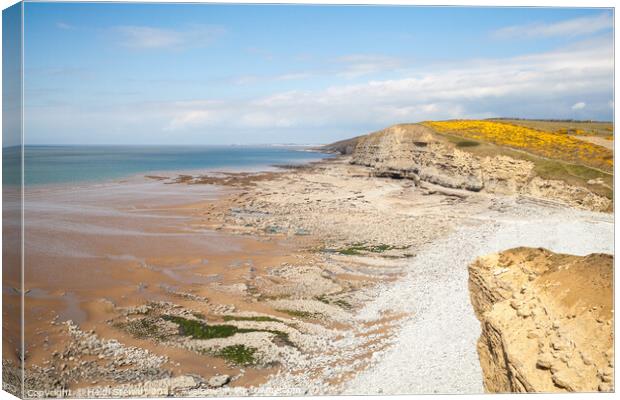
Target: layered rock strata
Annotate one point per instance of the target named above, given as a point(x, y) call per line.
point(416, 152)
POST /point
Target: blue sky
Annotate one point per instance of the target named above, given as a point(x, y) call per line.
point(216, 74)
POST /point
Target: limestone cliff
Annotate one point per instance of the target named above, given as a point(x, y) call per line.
point(546, 319)
point(414, 151)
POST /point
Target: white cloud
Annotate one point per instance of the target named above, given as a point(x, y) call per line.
point(357, 65)
point(543, 85)
point(536, 84)
point(568, 28)
point(251, 79)
point(293, 76)
point(63, 25)
point(578, 106)
point(146, 37)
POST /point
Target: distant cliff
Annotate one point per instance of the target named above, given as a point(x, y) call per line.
point(416, 152)
point(342, 147)
point(547, 321)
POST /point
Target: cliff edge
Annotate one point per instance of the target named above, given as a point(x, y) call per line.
point(417, 152)
point(546, 319)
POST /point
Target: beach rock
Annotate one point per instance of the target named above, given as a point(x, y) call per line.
point(218, 381)
point(570, 350)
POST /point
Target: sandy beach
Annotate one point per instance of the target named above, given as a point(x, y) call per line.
point(337, 280)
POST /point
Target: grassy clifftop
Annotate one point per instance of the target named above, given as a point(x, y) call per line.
point(555, 144)
point(559, 150)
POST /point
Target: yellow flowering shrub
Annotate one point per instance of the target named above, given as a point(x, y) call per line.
point(566, 131)
point(553, 145)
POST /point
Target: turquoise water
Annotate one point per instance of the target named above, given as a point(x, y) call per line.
point(69, 164)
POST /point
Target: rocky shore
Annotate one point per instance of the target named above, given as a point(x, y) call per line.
point(369, 295)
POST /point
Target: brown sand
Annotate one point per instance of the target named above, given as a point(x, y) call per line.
point(255, 242)
point(128, 248)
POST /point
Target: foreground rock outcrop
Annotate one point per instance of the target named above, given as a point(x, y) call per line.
point(416, 152)
point(546, 319)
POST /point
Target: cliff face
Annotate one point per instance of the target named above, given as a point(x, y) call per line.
point(546, 319)
point(416, 152)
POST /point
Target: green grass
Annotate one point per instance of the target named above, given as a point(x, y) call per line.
point(238, 354)
point(577, 175)
point(467, 143)
point(601, 129)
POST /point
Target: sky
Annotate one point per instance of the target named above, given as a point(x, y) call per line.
point(113, 73)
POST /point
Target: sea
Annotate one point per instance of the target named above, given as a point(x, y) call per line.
point(81, 164)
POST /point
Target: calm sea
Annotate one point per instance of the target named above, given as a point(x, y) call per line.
point(68, 164)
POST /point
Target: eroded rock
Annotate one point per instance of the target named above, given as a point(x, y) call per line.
point(416, 152)
point(560, 346)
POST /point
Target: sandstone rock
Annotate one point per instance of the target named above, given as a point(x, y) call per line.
point(567, 354)
point(562, 381)
point(544, 362)
point(416, 152)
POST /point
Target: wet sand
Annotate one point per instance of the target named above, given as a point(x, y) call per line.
point(126, 244)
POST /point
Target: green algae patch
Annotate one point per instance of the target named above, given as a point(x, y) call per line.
point(339, 302)
point(260, 318)
point(200, 330)
point(238, 354)
point(361, 248)
point(300, 314)
point(143, 328)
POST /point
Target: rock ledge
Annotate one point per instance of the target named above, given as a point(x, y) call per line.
point(546, 319)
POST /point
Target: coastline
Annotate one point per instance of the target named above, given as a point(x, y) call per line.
point(327, 254)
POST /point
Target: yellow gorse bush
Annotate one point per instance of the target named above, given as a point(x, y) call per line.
point(566, 131)
point(546, 144)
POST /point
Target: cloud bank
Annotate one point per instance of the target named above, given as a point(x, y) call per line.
point(146, 37)
point(544, 85)
point(568, 28)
